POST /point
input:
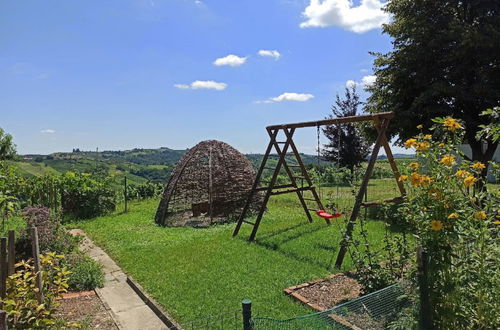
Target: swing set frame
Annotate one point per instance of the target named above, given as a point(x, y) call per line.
point(380, 121)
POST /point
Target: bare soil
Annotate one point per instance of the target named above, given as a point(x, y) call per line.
point(332, 291)
point(89, 311)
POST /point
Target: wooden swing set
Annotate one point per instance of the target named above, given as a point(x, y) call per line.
point(296, 171)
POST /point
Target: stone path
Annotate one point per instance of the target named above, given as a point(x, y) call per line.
point(129, 311)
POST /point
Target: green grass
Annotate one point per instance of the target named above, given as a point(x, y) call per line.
point(193, 273)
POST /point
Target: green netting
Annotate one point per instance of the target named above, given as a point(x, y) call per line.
point(372, 311)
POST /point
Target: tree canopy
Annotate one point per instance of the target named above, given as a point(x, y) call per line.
point(7, 147)
point(445, 62)
point(347, 145)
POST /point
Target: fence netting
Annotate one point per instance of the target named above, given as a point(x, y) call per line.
point(372, 311)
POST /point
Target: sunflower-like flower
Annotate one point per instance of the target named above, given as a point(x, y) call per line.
point(480, 215)
point(410, 143)
point(436, 225)
point(478, 166)
point(453, 216)
point(427, 136)
point(422, 146)
point(414, 166)
point(403, 177)
point(462, 174)
point(448, 160)
point(451, 124)
point(469, 181)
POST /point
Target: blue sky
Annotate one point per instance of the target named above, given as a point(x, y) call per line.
point(150, 73)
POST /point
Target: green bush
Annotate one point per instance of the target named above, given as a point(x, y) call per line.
point(86, 197)
point(86, 274)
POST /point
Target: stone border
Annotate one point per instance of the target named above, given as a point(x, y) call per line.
point(160, 312)
point(69, 295)
point(291, 291)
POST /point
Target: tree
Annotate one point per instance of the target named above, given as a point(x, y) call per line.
point(347, 145)
point(445, 62)
point(7, 147)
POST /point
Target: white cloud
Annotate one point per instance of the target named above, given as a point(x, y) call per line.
point(270, 53)
point(47, 131)
point(366, 81)
point(203, 84)
point(297, 97)
point(367, 16)
point(231, 60)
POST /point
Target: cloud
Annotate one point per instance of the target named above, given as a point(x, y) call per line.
point(365, 17)
point(366, 81)
point(203, 84)
point(270, 53)
point(47, 131)
point(231, 60)
point(297, 97)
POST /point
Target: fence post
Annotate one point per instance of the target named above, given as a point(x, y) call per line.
point(125, 194)
point(425, 317)
point(11, 253)
point(3, 267)
point(3, 320)
point(246, 308)
point(36, 261)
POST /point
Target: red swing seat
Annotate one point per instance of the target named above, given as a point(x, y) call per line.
point(323, 214)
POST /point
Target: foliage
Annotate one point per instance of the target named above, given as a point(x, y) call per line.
point(84, 197)
point(7, 147)
point(492, 129)
point(21, 304)
point(457, 221)
point(145, 190)
point(86, 274)
point(40, 217)
point(444, 62)
point(347, 147)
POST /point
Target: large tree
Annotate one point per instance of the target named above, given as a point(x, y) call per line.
point(7, 147)
point(346, 145)
point(445, 62)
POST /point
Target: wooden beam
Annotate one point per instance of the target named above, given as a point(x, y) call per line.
point(342, 120)
point(361, 193)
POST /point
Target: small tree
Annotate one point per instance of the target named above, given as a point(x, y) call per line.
point(347, 145)
point(7, 147)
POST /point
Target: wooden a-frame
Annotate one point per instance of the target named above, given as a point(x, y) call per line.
point(380, 121)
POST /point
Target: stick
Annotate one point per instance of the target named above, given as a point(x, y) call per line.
point(36, 262)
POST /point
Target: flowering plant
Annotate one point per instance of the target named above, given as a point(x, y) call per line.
point(455, 219)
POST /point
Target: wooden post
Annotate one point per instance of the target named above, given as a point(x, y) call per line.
point(36, 261)
point(246, 309)
point(3, 267)
point(425, 319)
point(11, 253)
point(3, 320)
point(360, 195)
point(125, 194)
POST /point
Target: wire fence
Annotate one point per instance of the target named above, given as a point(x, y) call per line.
point(228, 320)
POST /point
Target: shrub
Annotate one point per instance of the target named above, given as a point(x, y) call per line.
point(21, 304)
point(40, 217)
point(86, 197)
point(86, 274)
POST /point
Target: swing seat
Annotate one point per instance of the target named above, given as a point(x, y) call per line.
point(323, 214)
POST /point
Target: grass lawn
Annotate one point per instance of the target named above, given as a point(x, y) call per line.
point(194, 273)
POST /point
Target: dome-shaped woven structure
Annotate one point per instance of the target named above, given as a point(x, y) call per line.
point(209, 184)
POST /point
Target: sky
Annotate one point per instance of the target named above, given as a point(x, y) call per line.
point(123, 74)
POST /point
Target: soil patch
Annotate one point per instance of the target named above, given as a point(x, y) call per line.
point(87, 310)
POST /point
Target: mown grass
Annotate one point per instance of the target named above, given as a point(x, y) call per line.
point(193, 273)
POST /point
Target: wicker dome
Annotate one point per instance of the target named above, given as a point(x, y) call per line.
point(209, 184)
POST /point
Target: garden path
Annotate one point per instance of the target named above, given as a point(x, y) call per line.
point(127, 308)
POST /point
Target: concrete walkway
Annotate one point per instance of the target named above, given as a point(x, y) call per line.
point(129, 311)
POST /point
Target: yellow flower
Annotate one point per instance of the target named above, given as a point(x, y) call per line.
point(462, 174)
point(410, 143)
point(420, 180)
point(420, 126)
point(469, 181)
point(414, 166)
point(436, 225)
point(480, 215)
point(448, 160)
point(496, 223)
point(422, 146)
point(453, 216)
point(403, 177)
point(428, 136)
point(441, 145)
point(451, 124)
point(478, 166)
point(425, 180)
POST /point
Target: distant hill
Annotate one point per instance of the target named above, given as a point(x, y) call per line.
point(139, 165)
